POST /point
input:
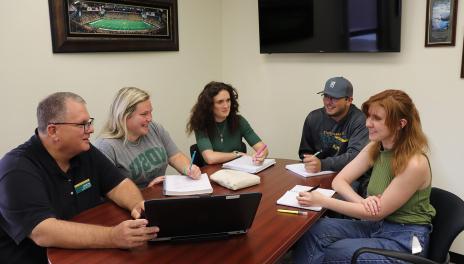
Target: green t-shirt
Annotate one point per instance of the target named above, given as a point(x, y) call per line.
point(417, 210)
point(224, 140)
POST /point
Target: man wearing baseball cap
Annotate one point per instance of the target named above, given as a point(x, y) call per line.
point(334, 134)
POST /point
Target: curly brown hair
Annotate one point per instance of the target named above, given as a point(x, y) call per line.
point(202, 116)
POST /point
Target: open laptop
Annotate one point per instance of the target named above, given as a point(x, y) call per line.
point(202, 217)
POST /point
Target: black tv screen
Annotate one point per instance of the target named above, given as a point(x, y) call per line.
point(294, 26)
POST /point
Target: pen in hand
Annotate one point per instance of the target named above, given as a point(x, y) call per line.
point(314, 188)
point(260, 152)
point(313, 155)
point(191, 162)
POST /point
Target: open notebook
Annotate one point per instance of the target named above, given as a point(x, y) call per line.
point(184, 185)
point(289, 198)
point(245, 163)
point(299, 168)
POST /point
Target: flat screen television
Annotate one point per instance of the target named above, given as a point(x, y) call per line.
point(314, 26)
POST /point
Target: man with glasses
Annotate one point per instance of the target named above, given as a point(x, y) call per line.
point(56, 175)
point(334, 134)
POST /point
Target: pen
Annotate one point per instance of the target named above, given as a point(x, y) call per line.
point(292, 212)
point(261, 150)
point(314, 188)
point(315, 154)
point(191, 161)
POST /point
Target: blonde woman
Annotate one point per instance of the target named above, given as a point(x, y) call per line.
point(138, 146)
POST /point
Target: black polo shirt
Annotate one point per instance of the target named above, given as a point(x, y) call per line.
point(33, 188)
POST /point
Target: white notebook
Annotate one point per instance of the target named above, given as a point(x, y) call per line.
point(289, 198)
point(184, 185)
point(299, 168)
point(245, 163)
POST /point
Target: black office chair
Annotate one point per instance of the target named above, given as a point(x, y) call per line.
point(447, 225)
point(200, 162)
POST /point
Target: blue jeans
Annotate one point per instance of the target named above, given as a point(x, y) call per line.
point(333, 240)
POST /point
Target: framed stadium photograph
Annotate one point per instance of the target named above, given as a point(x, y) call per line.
point(441, 23)
point(113, 25)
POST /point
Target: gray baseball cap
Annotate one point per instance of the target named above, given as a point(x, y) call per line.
point(338, 87)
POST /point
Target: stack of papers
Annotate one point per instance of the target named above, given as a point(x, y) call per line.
point(184, 185)
point(245, 163)
point(289, 198)
point(299, 168)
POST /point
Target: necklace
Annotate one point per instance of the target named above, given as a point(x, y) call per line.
point(221, 132)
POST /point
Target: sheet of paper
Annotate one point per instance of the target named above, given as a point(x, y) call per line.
point(245, 163)
point(299, 168)
point(289, 198)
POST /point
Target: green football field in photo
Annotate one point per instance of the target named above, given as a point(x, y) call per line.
point(120, 24)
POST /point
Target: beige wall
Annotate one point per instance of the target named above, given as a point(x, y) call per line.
point(29, 70)
point(219, 40)
point(277, 91)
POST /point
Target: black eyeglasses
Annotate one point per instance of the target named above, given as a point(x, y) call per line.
point(85, 125)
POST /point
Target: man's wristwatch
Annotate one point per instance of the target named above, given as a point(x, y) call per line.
point(236, 153)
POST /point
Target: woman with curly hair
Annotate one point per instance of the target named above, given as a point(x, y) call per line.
point(219, 128)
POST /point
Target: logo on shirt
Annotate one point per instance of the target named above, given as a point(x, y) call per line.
point(82, 186)
point(334, 143)
point(146, 162)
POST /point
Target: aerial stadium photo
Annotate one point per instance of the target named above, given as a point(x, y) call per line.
point(92, 17)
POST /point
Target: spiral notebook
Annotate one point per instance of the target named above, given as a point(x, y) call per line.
point(289, 198)
point(245, 163)
point(184, 185)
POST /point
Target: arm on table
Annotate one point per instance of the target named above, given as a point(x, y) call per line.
point(52, 232)
point(414, 177)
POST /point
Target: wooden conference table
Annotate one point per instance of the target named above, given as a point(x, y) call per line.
point(270, 236)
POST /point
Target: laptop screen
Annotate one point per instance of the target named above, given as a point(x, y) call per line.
point(202, 216)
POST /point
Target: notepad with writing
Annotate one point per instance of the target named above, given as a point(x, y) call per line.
point(299, 168)
point(245, 163)
point(289, 198)
point(184, 185)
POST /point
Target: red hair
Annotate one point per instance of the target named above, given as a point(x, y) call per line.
point(410, 139)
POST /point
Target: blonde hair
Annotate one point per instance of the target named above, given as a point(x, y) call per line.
point(124, 104)
point(410, 139)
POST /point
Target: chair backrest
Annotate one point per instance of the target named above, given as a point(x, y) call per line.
point(447, 224)
point(200, 162)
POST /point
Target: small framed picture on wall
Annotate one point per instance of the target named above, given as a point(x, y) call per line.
point(441, 23)
point(462, 63)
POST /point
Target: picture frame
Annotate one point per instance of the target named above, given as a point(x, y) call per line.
point(441, 23)
point(113, 25)
point(462, 63)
